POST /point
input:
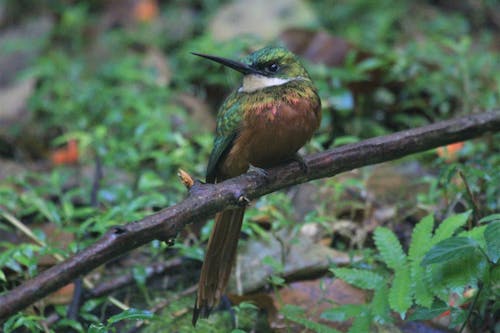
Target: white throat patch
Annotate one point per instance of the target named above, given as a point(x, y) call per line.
point(253, 82)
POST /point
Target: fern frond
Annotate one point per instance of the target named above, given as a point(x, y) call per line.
point(361, 323)
point(400, 292)
point(343, 312)
point(421, 238)
point(420, 244)
point(389, 247)
point(448, 227)
point(360, 278)
point(423, 296)
point(380, 309)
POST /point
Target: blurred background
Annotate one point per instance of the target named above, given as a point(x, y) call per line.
point(101, 103)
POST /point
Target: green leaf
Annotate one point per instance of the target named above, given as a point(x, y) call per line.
point(149, 181)
point(476, 233)
point(298, 315)
point(46, 208)
point(421, 313)
point(69, 323)
point(450, 225)
point(490, 218)
point(133, 314)
point(444, 277)
point(363, 279)
point(400, 292)
point(276, 280)
point(449, 249)
point(21, 320)
point(248, 305)
point(492, 237)
point(361, 323)
point(420, 244)
point(343, 312)
point(343, 140)
point(140, 275)
point(389, 247)
point(421, 238)
point(272, 262)
point(97, 328)
point(423, 296)
point(380, 309)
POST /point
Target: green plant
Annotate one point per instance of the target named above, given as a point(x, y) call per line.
point(131, 314)
point(440, 264)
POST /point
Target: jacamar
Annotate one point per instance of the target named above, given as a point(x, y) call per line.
point(263, 123)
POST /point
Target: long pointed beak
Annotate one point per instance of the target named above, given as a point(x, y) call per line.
point(236, 65)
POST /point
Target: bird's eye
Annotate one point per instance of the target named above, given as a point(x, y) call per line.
point(273, 68)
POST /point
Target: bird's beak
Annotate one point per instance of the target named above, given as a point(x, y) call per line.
point(236, 65)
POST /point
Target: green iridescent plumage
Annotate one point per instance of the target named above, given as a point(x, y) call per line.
point(231, 113)
point(228, 119)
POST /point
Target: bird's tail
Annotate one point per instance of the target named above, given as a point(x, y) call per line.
point(219, 260)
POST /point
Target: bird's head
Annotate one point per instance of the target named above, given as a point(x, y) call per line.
point(267, 67)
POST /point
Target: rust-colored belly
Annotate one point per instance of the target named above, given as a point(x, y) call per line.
point(272, 135)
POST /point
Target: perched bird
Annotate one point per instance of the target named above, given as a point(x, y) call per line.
point(263, 123)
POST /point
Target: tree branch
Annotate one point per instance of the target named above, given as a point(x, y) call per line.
point(205, 200)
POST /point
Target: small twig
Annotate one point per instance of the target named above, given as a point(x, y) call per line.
point(74, 306)
point(96, 183)
point(108, 287)
point(472, 199)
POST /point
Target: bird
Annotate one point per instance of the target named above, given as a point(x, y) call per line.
point(261, 124)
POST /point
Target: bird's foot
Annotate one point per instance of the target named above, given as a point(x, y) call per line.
point(259, 171)
point(243, 201)
point(302, 163)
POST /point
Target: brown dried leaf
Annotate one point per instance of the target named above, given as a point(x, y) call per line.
point(315, 297)
point(185, 178)
point(317, 46)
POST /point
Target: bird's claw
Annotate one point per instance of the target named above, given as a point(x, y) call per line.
point(259, 171)
point(302, 163)
point(243, 201)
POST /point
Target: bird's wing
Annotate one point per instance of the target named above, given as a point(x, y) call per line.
point(228, 124)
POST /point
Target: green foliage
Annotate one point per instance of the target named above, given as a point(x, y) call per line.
point(393, 256)
point(389, 248)
point(449, 226)
point(360, 278)
point(297, 314)
point(420, 244)
point(20, 320)
point(450, 249)
point(492, 237)
point(437, 265)
point(131, 314)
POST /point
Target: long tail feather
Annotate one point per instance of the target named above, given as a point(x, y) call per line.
point(219, 260)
